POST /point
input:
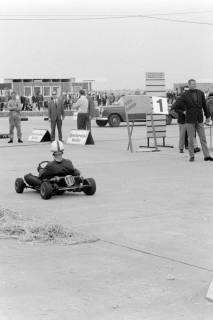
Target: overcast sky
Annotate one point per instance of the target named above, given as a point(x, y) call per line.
point(114, 52)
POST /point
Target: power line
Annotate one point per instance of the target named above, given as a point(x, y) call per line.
point(105, 15)
point(102, 17)
point(182, 21)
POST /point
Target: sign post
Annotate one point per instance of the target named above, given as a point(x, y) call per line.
point(129, 133)
point(135, 104)
point(39, 135)
point(210, 134)
point(156, 121)
point(80, 137)
point(154, 132)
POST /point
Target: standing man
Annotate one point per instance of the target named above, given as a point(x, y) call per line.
point(56, 115)
point(14, 106)
point(91, 110)
point(192, 104)
point(83, 115)
point(183, 136)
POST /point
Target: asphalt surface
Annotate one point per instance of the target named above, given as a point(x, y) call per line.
point(152, 214)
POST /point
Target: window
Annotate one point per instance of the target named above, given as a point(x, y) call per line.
point(46, 91)
point(56, 89)
point(27, 91)
point(37, 91)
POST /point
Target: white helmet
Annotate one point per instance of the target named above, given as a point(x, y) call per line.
point(57, 146)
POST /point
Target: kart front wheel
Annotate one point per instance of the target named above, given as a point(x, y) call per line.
point(89, 186)
point(19, 185)
point(46, 190)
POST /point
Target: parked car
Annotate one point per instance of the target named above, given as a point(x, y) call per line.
point(115, 114)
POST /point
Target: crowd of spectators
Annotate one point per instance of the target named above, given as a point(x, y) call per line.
point(36, 102)
point(39, 103)
point(100, 98)
point(171, 96)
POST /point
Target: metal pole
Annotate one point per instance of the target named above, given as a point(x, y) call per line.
point(129, 134)
point(154, 132)
point(210, 132)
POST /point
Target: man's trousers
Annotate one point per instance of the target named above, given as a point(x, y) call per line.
point(83, 121)
point(15, 121)
point(199, 127)
point(183, 137)
point(57, 122)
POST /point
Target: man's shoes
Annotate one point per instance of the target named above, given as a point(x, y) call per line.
point(192, 159)
point(181, 150)
point(10, 141)
point(186, 147)
point(196, 149)
point(20, 141)
point(208, 159)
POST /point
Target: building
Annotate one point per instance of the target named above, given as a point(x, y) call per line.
point(46, 86)
point(85, 84)
point(204, 86)
point(5, 88)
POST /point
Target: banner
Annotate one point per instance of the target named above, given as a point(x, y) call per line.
point(159, 105)
point(137, 104)
point(39, 135)
point(80, 137)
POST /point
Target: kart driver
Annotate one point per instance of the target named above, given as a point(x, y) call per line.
point(58, 167)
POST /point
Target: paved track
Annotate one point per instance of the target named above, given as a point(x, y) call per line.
point(152, 213)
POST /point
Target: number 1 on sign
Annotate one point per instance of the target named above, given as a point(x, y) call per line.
point(160, 104)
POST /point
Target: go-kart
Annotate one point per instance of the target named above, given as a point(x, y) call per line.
point(58, 185)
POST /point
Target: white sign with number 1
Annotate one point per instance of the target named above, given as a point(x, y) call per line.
point(159, 105)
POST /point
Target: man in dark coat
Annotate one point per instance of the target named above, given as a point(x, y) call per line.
point(192, 104)
point(183, 136)
point(56, 115)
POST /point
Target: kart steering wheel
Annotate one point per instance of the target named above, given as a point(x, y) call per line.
point(42, 165)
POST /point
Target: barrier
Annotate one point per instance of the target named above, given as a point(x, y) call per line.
point(157, 126)
point(135, 104)
point(210, 136)
point(34, 113)
point(4, 135)
point(80, 137)
point(40, 135)
point(209, 294)
point(156, 109)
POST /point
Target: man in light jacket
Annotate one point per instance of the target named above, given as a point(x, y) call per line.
point(14, 106)
point(82, 105)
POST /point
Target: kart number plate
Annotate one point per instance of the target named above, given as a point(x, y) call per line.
point(70, 181)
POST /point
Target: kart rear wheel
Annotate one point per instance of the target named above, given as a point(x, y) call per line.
point(46, 190)
point(89, 186)
point(19, 185)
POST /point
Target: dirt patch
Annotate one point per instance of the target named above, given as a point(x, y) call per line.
point(15, 226)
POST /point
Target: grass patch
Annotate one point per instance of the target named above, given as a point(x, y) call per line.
point(14, 226)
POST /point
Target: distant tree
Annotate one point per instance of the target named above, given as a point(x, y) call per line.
point(137, 91)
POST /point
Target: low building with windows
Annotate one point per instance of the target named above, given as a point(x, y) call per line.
point(204, 86)
point(85, 84)
point(45, 87)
